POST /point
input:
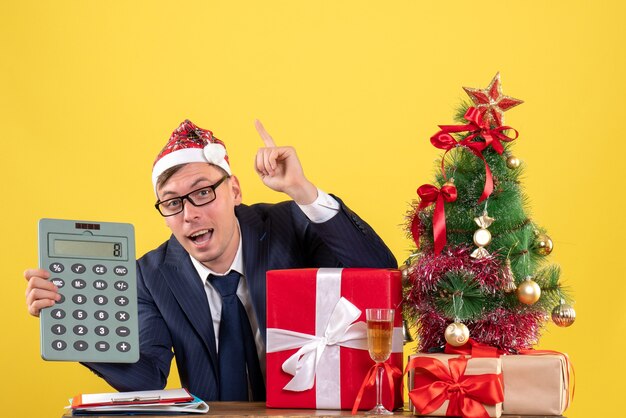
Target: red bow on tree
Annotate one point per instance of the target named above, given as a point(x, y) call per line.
point(430, 194)
point(477, 127)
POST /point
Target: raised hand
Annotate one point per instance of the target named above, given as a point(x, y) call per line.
point(279, 168)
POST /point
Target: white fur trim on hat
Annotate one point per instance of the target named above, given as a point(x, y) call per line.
point(212, 153)
point(215, 153)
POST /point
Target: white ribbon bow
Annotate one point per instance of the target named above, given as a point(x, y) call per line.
point(340, 331)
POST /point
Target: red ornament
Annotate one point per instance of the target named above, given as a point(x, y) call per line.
point(491, 101)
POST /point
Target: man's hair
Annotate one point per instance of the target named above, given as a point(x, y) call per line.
point(167, 174)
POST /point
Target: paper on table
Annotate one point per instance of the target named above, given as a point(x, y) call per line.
point(197, 406)
point(132, 398)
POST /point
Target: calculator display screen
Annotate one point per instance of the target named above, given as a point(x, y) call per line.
point(88, 249)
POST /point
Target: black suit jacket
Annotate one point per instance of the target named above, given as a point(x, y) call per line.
point(174, 314)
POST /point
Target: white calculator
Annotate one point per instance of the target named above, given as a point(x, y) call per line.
point(93, 265)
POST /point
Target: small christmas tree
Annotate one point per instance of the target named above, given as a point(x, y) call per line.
point(479, 267)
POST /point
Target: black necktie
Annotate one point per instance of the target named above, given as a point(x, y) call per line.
point(237, 349)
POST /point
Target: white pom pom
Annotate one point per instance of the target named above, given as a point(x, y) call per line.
point(215, 153)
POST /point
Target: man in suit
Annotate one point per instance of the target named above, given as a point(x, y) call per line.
point(184, 310)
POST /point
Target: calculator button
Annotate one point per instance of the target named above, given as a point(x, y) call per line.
point(121, 301)
point(79, 284)
point(79, 299)
point(120, 270)
point(122, 316)
point(58, 329)
point(57, 313)
point(100, 330)
point(100, 300)
point(122, 331)
point(79, 314)
point(58, 282)
point(78, 268)
point(123, 347)
point(62, 298)
point(99, 269)
point(102, 346)
point(57, 267)
point(101, 315)
point(121, 285)
point(80, 330)
point(81, 345)
point(100, 285)
point(59, 345)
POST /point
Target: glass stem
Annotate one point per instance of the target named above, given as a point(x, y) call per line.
point(379, 386)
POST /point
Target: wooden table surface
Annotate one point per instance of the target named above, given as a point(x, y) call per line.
point(258, 409)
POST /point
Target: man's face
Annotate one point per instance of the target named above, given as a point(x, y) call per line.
point(209, 233)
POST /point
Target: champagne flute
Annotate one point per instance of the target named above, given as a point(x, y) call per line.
point(379, 336)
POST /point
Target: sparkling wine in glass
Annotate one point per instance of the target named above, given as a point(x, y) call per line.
point(379, 336)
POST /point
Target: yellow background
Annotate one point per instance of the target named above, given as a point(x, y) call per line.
point(90, 91)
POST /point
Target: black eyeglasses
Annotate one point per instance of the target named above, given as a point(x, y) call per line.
point(198, 197)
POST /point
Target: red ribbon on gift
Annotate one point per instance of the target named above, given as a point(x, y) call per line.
point(474, 348)
point(430, 194)
point(477, 127)
point(434, 383)
point(370, 380)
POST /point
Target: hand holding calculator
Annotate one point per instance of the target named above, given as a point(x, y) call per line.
point(93, 265)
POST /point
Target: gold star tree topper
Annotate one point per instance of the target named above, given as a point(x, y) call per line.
point(492, 102)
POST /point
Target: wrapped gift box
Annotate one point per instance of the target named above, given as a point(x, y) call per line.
point(434, 381)
point(535, 384)
point(317, 336)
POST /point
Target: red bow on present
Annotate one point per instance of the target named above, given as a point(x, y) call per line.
point(477, 127)
point(430, 194)
point(370, 380)
point(434, 383)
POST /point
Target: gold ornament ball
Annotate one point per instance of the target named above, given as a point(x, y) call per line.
point(482, 237)
point(543, 244)
point(513, 162)
point(528, 292)
point(457, 334)
point(563, 315)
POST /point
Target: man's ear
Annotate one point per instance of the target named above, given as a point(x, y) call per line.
point(235, 189)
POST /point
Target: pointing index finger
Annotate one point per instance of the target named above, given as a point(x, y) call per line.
point(267, 139)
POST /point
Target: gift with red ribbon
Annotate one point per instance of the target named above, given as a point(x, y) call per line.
point(317, 353)
point(450, 385)
point(544, 376)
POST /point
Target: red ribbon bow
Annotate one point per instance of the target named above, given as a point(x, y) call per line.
point(430, 194)
point(370, 380)
point(434, 383)
point(477, 127)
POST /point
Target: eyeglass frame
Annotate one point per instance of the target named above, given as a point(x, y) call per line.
point(188, 198)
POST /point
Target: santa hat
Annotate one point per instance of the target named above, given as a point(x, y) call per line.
point(190, 144)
